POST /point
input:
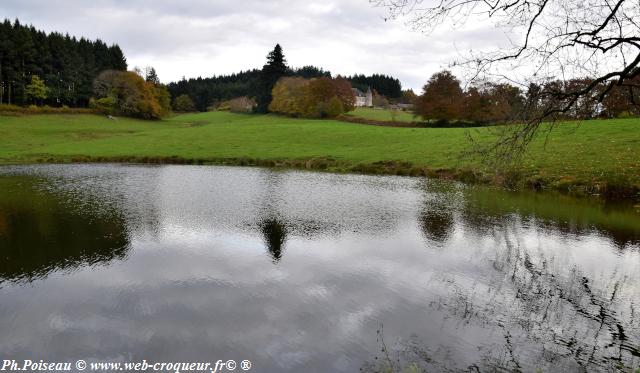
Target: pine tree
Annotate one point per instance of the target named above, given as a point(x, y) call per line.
point(67, 65)
point(151, 76)
point(275, 69)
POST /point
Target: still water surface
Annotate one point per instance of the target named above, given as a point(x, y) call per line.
point(311, 272)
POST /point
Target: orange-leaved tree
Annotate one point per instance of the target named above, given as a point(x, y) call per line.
point(127, 93)
point(312, 98)
point(442, 98)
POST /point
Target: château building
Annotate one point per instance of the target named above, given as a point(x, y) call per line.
point(363, 99)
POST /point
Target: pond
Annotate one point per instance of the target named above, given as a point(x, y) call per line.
point(312, 272)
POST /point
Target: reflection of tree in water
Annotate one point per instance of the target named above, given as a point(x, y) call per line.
point(273, 230)
point(556, 213)
point(437, 224)
point(436, 217)
point(551, 318)
point(40, 235)
point(275, 234)
point(591, 324)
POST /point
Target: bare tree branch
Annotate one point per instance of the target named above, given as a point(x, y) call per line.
point(596, 42)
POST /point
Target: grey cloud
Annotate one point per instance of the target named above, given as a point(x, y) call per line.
point(204, 38)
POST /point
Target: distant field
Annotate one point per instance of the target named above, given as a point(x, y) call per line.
point(383, 115)
point(594, 152)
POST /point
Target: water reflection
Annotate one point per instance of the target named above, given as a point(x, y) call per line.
point(40, 235)
point(275, 234)
point(436, 218)
point(462, 278)
point(436, 224)
point(555, 213)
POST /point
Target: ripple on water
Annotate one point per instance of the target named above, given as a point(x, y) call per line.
point(301, 271)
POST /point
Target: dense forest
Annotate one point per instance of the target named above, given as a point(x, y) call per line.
point(206, 92)
point(387, 86)
point(68, 66)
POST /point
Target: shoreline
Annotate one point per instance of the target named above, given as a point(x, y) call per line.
point(513, 181)
point(597, 160)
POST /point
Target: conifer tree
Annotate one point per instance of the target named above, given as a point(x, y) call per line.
point(151, 76)
point(275, 69)
point(67, 65)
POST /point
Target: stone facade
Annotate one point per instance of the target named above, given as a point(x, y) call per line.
point(363, 99)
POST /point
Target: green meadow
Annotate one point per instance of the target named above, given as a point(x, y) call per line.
point(383, 115)
point(576, 156)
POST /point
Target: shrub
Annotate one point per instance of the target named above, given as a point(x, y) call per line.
point(625, 115)
point(10, 108)
point(241, 105)
point(334, 107)
point(184, 103)
point(105, 105)
point(32, 109)
point(380, 101)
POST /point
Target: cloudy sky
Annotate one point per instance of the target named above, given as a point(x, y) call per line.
point(210, 37)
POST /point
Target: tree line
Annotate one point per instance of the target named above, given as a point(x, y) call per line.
point(258, 83)
point(57, 70)
point(206, 92)
point(65, 65)
point(385, 85)
point(443, 101)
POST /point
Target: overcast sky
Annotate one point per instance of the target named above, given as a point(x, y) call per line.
point(211, 37)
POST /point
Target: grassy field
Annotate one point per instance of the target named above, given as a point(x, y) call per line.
point(383, 115)
point(592, 155)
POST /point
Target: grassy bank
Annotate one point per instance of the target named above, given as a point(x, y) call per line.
point(595, 157)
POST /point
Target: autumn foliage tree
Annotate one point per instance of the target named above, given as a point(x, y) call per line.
point(36, 90)
point(492, 103)
point(318, 94)
point(127, 93)
point(289, 96)
point(622, 101)
point(344, 92)
point(312, 98)
point(486, 102)
point(442, 98)
point(483, 103)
